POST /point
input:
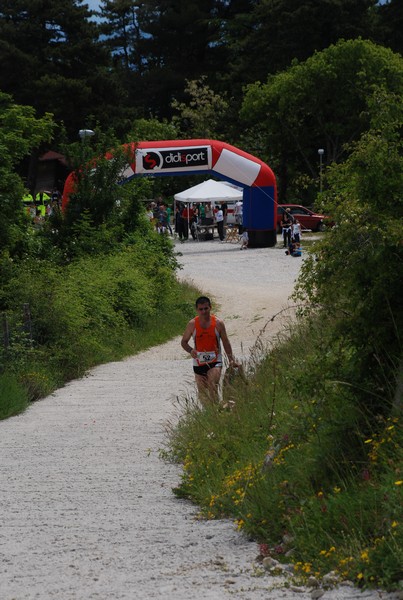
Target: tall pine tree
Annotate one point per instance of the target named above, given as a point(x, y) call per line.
point(158, 44)
point(53, 60)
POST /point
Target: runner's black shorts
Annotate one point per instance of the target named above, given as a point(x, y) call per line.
point(204, 369)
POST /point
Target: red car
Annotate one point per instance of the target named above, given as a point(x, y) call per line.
point(307, 218)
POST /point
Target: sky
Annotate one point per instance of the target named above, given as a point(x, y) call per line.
point(93, 4)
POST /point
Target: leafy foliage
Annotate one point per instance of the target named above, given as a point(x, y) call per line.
point(136, 57)
point(53, 61)
point(20, 132)
point(306, 455)
point(298, 464)
point(99, 307)
point(357, 271)
point(13, 396)
point(321, 103)
point(200, 117)
point(278, 33)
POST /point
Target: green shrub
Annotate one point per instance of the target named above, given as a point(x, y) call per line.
point(13, 396)
point(95, 309)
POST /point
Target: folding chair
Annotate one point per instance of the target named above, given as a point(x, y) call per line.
point(232, 234)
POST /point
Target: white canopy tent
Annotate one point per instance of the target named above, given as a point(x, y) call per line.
point(209, 191)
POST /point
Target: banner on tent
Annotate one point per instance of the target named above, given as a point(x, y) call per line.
point(192, 158)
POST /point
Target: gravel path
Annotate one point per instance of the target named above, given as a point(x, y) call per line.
point(86, 508)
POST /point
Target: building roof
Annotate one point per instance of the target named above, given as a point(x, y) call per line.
point(51, 155)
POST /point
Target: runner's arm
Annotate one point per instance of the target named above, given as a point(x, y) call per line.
point(186, 337)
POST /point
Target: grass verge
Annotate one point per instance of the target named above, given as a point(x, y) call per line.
point(300, 464)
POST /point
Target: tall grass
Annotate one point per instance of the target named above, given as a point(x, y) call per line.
point(299, 464)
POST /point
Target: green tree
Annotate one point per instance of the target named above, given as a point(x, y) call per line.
point(120, 25)
point(151, 130)
point(179, 41)
point(356, 272)
point(321, 103)
point(20, 133)
point(390, 25)
point(97, 169)
point(52, 60)
point(202, 114)
point(266, 36)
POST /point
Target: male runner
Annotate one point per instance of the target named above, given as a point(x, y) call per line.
point(207, 331)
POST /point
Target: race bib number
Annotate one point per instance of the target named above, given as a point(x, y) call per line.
point(206, 357)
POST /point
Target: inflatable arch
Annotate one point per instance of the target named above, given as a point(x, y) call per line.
point(191, 157)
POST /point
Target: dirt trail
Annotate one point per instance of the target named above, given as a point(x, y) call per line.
point(86, 508)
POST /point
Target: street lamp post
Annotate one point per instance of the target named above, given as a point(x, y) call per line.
point(85, 133)
point(321, 153)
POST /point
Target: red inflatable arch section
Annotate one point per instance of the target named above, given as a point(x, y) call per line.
point(179, 157)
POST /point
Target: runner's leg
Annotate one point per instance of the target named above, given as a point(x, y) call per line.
point(207, 386)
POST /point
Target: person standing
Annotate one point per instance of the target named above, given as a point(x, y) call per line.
point(296, 232)
point(224, 208)
point(207, 333)
point(56, 196)
point(187, 215)
point(178, 222)
point(162, 219)
point(149, 213)
point(238, 211)
point(156, 213)
point(286, 227)
point(219, 217)
point(169, 213)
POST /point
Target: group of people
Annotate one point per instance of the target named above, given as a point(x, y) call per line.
point(41, 205)
point(291, 231)
point(188, 217)
point(159, 215)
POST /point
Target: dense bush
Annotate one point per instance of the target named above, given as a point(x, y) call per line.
point(307, 454)
point(96, 308)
